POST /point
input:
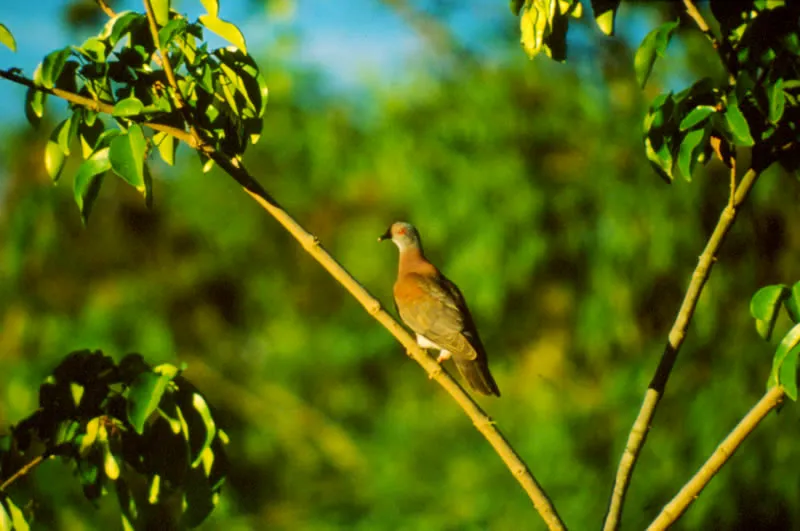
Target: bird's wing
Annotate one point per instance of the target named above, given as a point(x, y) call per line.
point(441, 315)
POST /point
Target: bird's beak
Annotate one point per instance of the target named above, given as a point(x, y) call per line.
point(386, 235)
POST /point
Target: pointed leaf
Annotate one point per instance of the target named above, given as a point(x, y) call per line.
point(697, 115)
point(212, 6)
point(128, 107)
point(127, 154)
point(224, 29)
point(34, 106)
point(788, 344)
point(776, 101)
point(764, 307)
point(7, 38)
point(654, 45)
point(201, 407)
point(52, 66)
point(792, 303)
point(88, 181)
point(690, 151)
point(166, 146)
point(143, 397)
point(54, 160)
point(604, 13)
point(160, 11)
point(788, 373)
point(738, 123)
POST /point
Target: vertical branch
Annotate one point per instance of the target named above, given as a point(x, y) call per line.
point(675, 508)
point(677, 334)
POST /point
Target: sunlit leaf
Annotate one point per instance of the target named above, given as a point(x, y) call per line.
point(128, 107)
point(764, 307)
point(690, 151)
point(788, 372)
point(166, 146)
point(536, 24)
point(605, 11)
point(697, 115)
point(127, 156)
point(52, 66)
point(788, 345)
point(224, 29)
point(7, 39)
point(212, 7)
point(160, 11)
point(34, 106)
point(654, 45)
point(201, 407)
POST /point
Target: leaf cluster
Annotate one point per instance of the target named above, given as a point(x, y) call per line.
point(144, 431)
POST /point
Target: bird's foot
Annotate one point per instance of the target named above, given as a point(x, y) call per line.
point(443, 356)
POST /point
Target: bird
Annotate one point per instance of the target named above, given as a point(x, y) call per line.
point(435, 310)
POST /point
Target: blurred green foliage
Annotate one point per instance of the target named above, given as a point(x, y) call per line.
point(531, 190)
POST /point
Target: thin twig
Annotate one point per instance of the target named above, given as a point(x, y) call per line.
point(27, 467)
point(234, 167)
point(677, 334)
point(675, 508)
point(720, 45)
point(104, 7)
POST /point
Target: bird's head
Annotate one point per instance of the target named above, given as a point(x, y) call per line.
point(404, 235)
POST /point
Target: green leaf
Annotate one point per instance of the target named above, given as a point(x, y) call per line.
point(788, 346)
point(697, 115)
point(764, 307)
point(160, 11)
point(166, 146)
point(224, 29)
point(52, 66)
point(128, 107)
point(788, 373)
point(54, 160)
point(11, 517)
point(119, 26)
point(127, 155)
point(792, 303)
point(691, 150)
point(94, 49)
point(737, 122)
point(654, 45)
point(605, 11)
point(143, 397)
point(90, 134)
point(536, 24)
point(7, 38)
point(34, 106)
point(515, 6)
point(776, 101)
point(88, 180)
point(212, 7)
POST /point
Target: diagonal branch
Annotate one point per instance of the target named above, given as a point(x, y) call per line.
point(675, 508)
point(677, 334)
point(25, 469)
point(234, 167)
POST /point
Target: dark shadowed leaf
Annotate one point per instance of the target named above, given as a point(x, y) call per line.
point(143, 397)
point(776, 101)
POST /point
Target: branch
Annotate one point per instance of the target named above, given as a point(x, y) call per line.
point(234, 167)
point(25, 469)
point(720, 45)
point(675, 508)
point(677, 334)
point(105, 8)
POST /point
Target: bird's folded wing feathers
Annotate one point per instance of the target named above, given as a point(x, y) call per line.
point(441, 316)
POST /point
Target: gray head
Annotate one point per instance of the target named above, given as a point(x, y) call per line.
point(404, 235)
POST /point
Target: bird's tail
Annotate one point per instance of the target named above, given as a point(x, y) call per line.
point(476, 372)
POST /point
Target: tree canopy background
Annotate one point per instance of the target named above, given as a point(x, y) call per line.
point(529, 184)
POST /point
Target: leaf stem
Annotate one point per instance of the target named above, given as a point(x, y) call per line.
point(719, 45)
point(675, 508)
point(24, 470)
point(677, 334)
